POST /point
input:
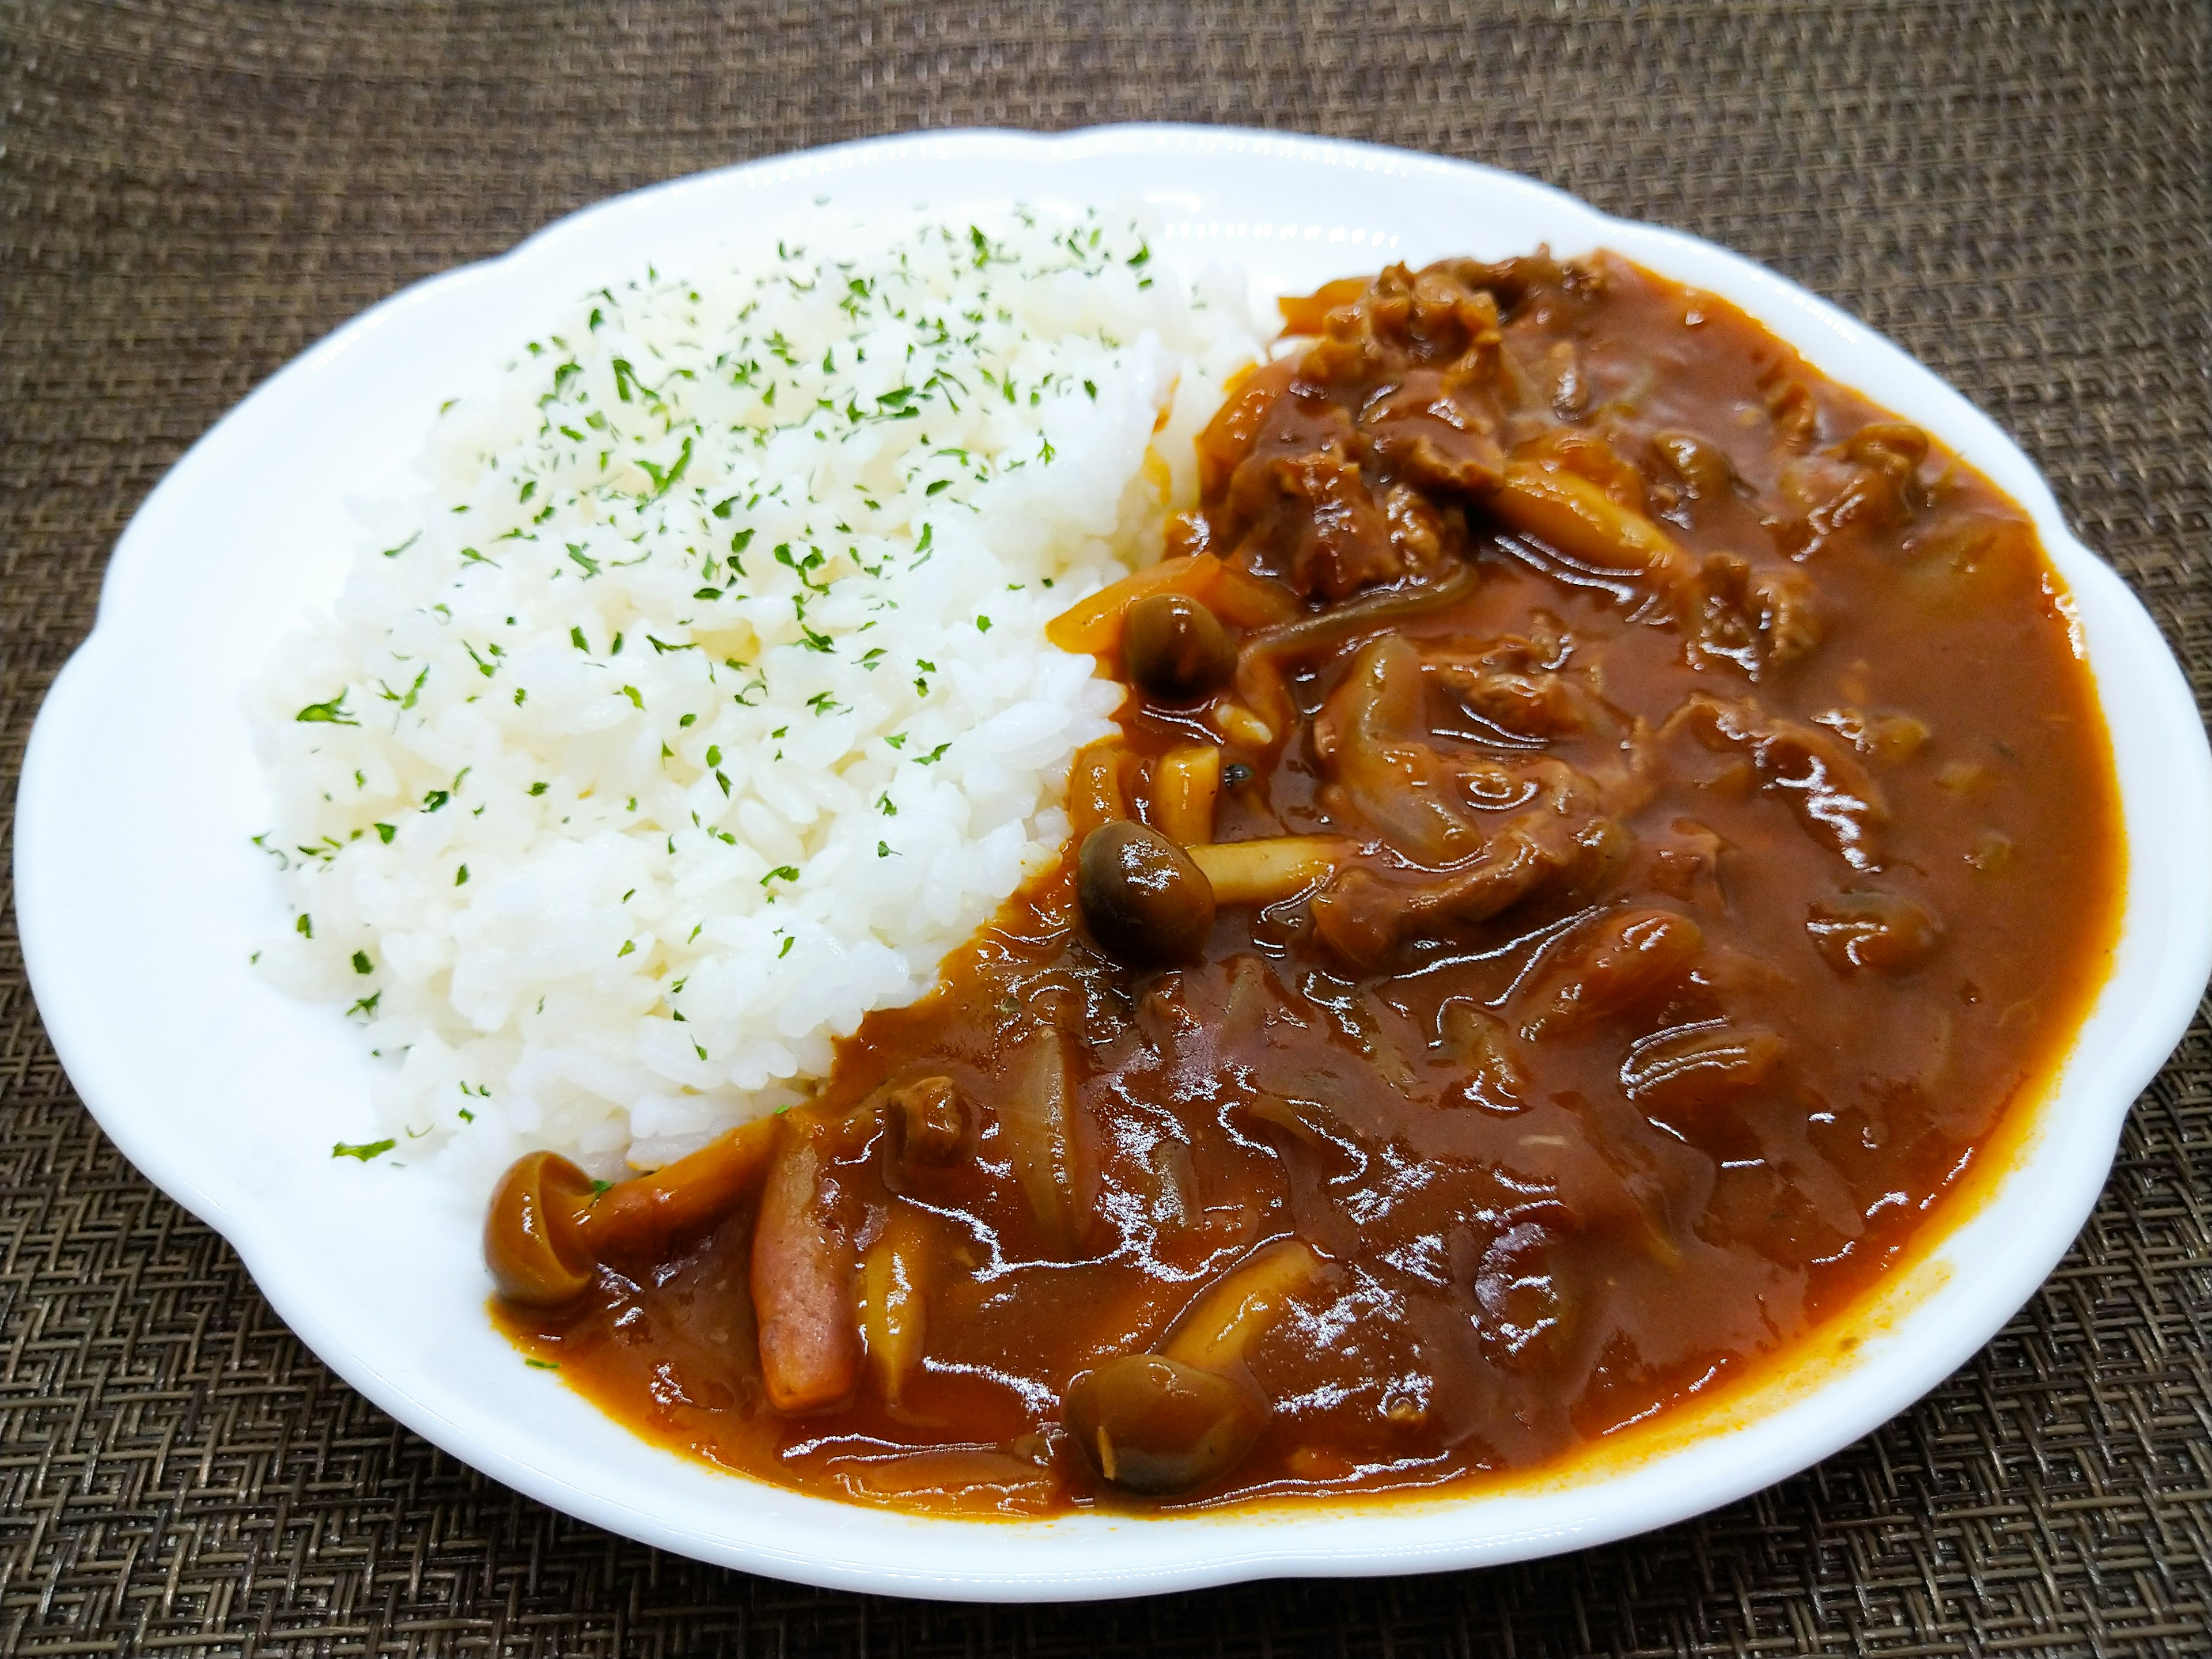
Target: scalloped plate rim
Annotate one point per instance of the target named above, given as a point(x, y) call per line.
point(1098, 1555)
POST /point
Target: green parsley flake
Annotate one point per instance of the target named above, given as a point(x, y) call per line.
point(333, 712)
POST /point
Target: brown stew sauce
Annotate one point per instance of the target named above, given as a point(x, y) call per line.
point(1647, 821)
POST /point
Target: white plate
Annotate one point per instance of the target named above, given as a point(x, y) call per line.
point(139, 895)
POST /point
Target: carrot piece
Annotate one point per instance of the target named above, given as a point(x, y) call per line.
point(1229, 436)
point(1093, 626)
point(1303, 313)
point(1247, 601)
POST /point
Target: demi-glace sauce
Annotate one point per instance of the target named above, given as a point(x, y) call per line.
point(1721, 838)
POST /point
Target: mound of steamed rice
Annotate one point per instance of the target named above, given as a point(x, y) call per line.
point(699, 704)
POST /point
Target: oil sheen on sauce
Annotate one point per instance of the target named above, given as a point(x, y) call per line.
point(1711, 836)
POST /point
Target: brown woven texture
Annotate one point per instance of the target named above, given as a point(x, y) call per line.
point(189, 195)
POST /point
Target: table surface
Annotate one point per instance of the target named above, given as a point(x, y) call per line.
point(190, 194)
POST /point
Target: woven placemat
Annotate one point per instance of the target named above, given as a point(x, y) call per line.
point(189, 195)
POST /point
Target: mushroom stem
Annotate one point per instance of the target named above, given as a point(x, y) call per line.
point(1584, 523)
point(1217, 1328)
point(891, 1280)
point(1171, 1420)
point(549, 1226)
point(645, 1211)
point(1269, 870)
point(1185, 783)
point(1097, 787)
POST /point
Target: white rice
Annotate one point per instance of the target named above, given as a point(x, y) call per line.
point(603, 831)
